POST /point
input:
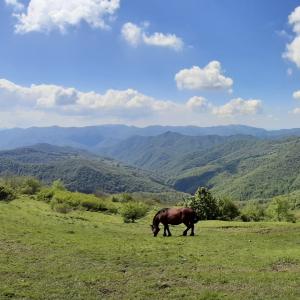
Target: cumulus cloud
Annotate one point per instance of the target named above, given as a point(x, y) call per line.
point(136, 35)
point(292, 51)
point(239, 106)
point(47, 15)
point(47, 104)
point(208, 78)
point(71, 101)
point(17, 6)
point(199, 104)
point(132, 33)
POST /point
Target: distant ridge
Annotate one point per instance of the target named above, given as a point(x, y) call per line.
point(78, 169)
point(94, 138)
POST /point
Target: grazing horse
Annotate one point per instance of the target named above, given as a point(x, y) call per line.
point(174, 216)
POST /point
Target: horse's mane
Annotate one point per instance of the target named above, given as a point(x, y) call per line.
point(160, 211)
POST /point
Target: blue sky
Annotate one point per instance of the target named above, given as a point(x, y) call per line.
point(118, 64)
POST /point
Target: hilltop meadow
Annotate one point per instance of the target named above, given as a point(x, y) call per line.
point(56, 244)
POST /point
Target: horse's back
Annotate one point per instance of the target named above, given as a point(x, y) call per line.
point(189, 215)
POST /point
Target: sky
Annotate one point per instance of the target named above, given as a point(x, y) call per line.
point(141, 62)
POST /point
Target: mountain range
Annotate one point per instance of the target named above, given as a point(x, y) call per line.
point(236, 161)
point(93, 138)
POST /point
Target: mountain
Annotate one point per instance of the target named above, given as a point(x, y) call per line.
point(94, 138)
point(239, 166)
point(159, 153)
point(78, 169)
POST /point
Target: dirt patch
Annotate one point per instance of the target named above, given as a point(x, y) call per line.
point(285, 265)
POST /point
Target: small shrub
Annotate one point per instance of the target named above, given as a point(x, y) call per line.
point(92, 204)
point(62, 208)
point(115, 199)
point(58, 185)
point(112, 209)
point(126, 198)
point(133, 211)
point(6, 193)
point(30, 186)
point(45, 195)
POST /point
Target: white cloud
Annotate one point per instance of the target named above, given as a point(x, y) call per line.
point(296, 95)
point(199, 104)
point(132, 33)
point(17, 6)
point(47, 15)
point(71, 101)
point(208, 78)
point(239, 106)
point(136, 35)
point(163, 40)
point(45, 104)
point(292, 51)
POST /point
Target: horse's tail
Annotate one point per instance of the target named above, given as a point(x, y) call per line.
point(195, 219)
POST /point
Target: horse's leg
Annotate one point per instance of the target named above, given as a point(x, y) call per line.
point(165, 229)
point(192, 229)
point(168, 229)
point(187, 228)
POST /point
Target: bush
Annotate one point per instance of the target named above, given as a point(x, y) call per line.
point(92, 204)
point(45, 195)
point(30, 186)
point(253, 211)
point(58, 185)
point(115, 199)
point(133, 211)
point(6, 193)
point(126, 198)
point(59, 207)
point(112, 209)
point(227, 209)
point(204, 204)
point(279, 210)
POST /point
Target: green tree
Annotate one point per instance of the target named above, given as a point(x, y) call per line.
point(279, 210)
point(133, 211)
point(227, 209)
point(204, 204)
point(252, 211)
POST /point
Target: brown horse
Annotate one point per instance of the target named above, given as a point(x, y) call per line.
point(174, 216)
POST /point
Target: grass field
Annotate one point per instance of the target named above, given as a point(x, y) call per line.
point(84, 255)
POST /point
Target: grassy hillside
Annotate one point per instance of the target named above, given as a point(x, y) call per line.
point(85, 255)
point(79, 170)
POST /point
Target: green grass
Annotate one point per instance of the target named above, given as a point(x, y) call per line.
point(89, 255)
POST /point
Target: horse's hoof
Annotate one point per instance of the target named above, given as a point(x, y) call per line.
point(192, 234)
point(184, 234)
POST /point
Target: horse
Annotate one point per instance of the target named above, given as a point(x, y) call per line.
point(174, 216)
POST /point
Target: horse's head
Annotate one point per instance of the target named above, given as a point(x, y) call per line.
point(155, 230)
